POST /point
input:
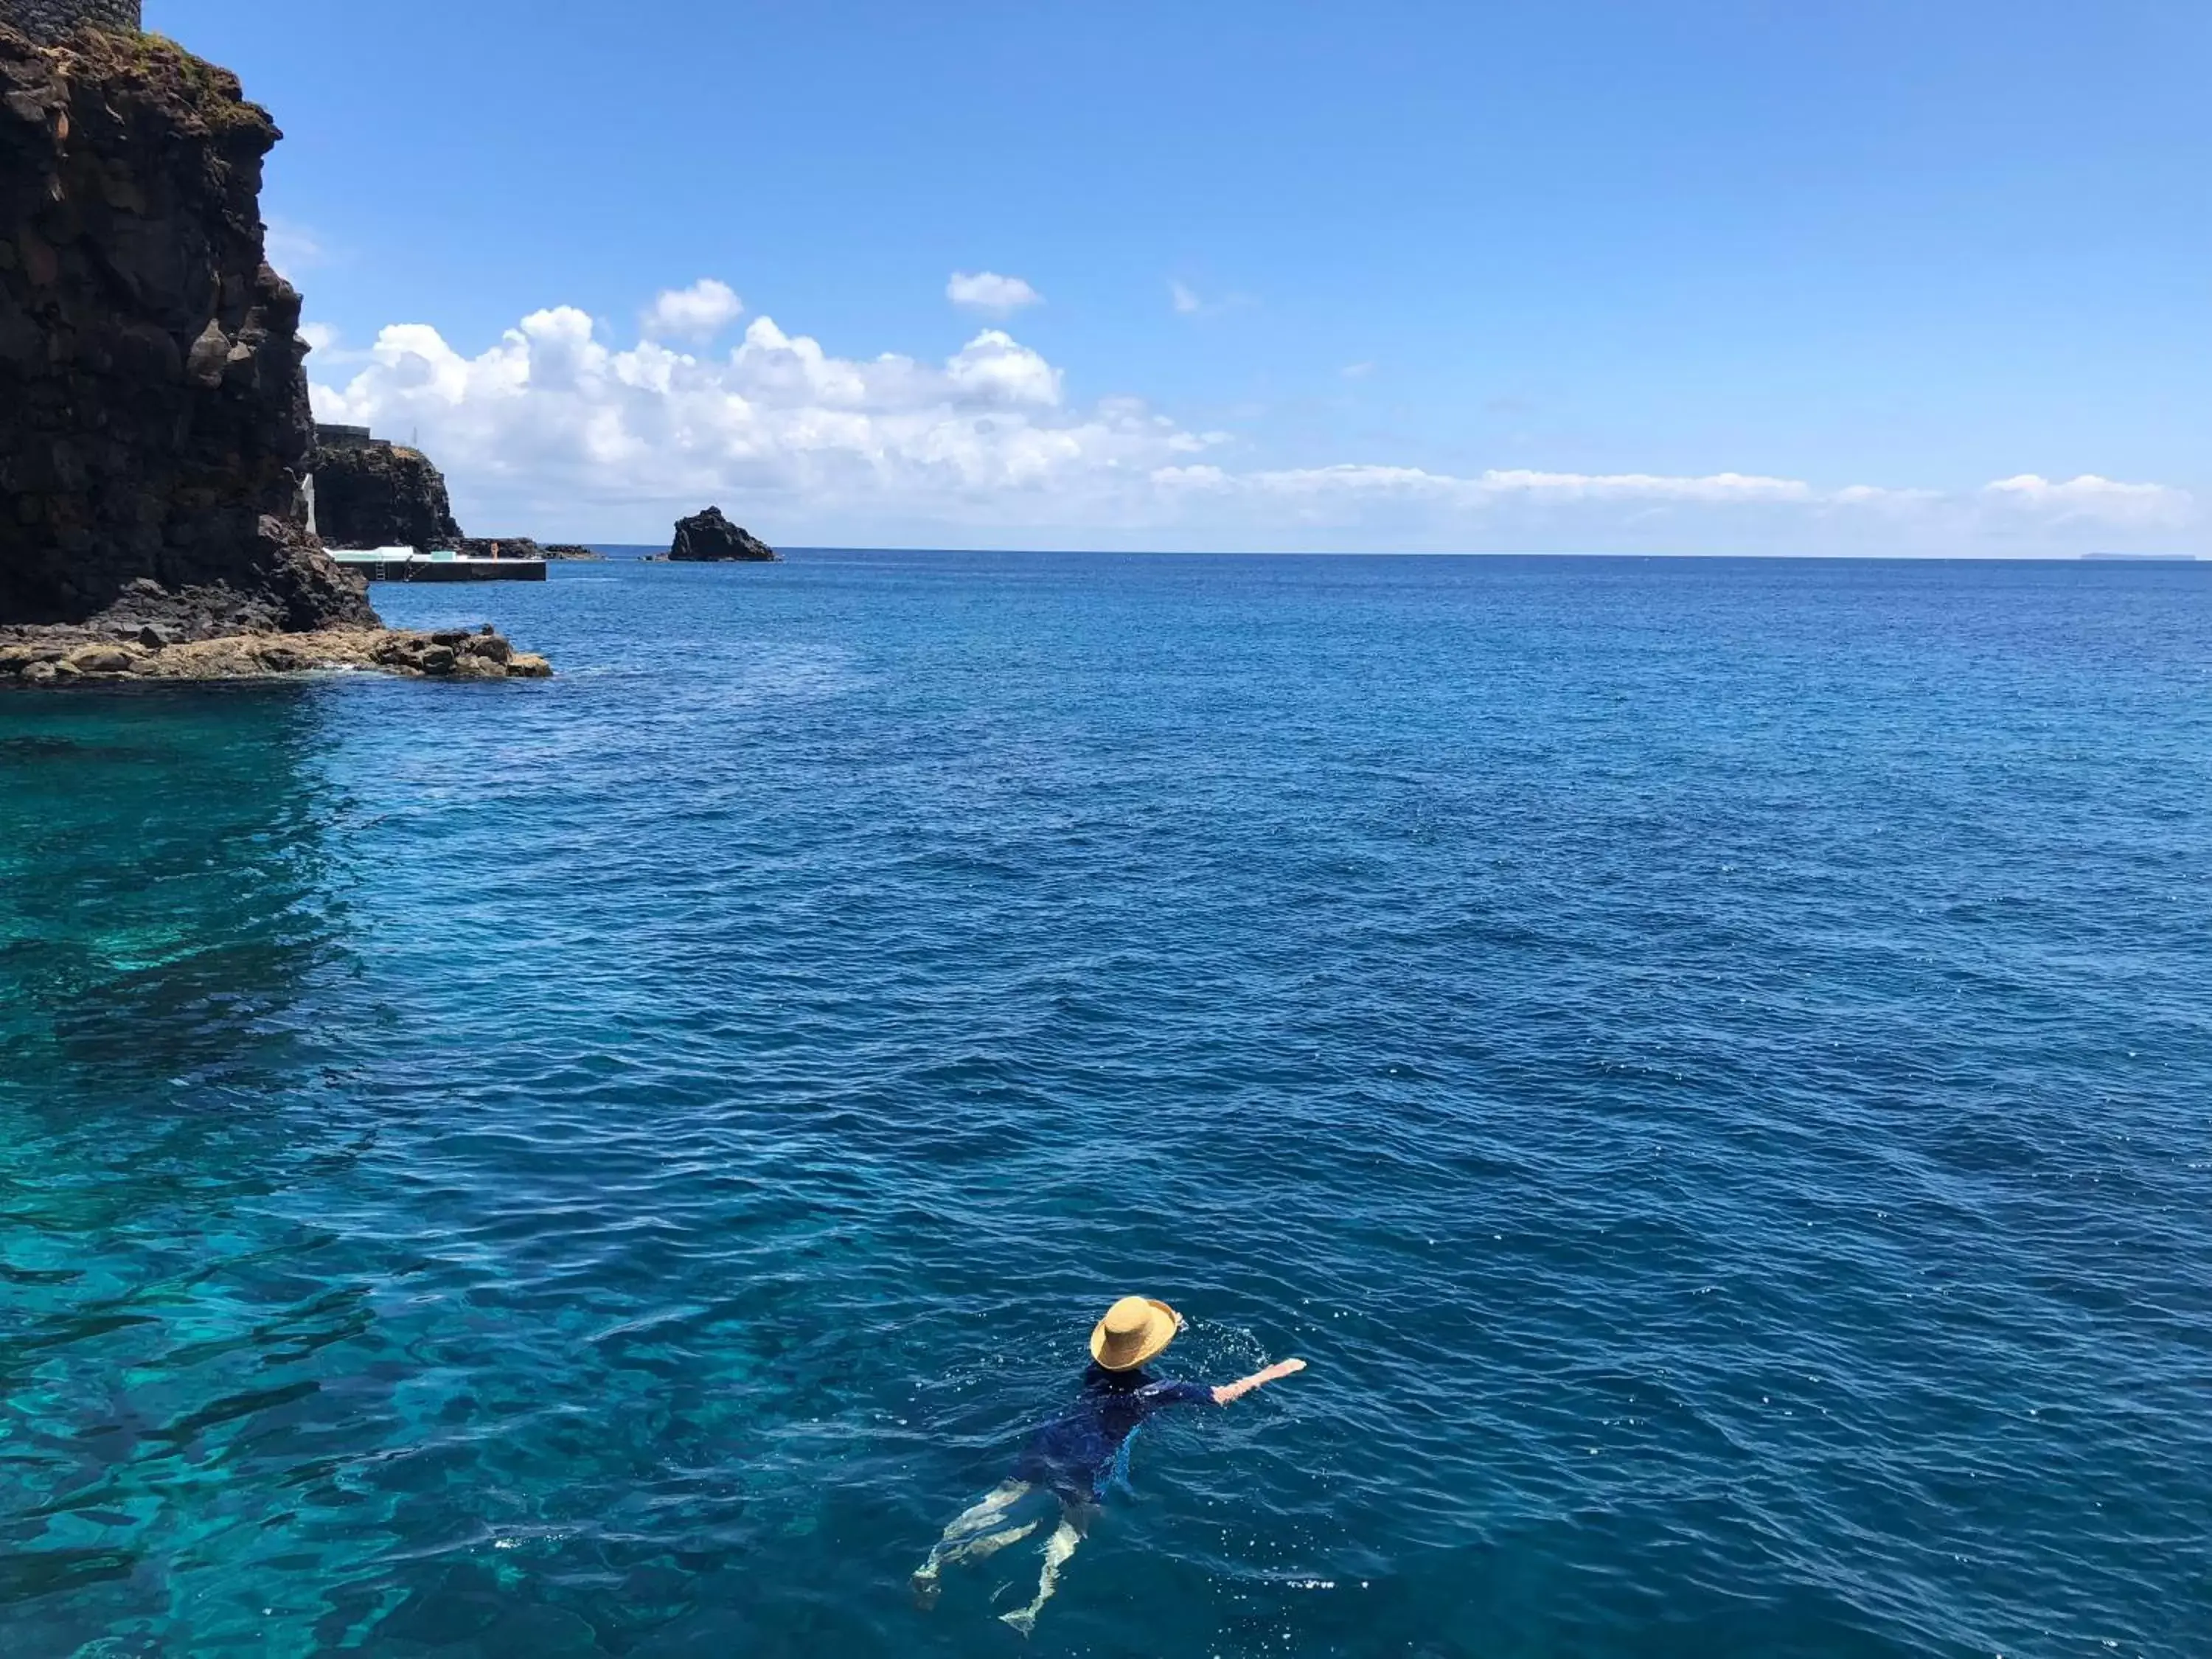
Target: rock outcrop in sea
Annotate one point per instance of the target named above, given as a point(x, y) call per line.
point(370, 492)
point(154, 419)
point(520, 547)
point(709, 537)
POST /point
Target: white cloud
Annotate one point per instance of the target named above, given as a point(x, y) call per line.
point(552, 413)
point(1189, 302)
point(1717, 505)
point(995, 365)
point(1718, 487)
point(698, 312)
point(329, 347)
point(1356, 371)
point(553, 429)
point(1349, 482)
point(986, 290)
point(1875, 496)
point(2089, 496)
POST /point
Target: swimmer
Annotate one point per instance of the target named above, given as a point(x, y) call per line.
point(1077, 1453)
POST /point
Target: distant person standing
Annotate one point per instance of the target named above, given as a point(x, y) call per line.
point(1076, 1454)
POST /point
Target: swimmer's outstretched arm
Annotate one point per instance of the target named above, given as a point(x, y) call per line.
point(1244, 1385)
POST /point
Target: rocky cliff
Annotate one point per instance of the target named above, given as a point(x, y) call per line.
point(49, 20)
point(375, 493)
point(371, 492)
point(153, 420)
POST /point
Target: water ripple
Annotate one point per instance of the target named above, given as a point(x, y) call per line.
point(1705, 1059)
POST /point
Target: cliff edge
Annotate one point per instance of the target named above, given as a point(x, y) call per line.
point(154, 416)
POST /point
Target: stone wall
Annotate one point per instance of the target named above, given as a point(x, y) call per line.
point(49, 20)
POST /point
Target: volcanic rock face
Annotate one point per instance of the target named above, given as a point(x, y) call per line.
point(153, 420)
point(49, 20)
point(370, 492)
point(373, 493)
point(708, 536)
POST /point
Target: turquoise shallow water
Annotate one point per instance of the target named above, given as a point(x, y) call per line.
point(1708, 1060)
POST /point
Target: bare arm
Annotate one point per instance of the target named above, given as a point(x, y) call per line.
point(1244, 1385)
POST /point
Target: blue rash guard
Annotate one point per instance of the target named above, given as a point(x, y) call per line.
point(1076, 1453)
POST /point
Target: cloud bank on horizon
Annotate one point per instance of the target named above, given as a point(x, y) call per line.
point(555, 431)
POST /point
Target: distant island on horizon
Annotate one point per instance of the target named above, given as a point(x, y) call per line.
point(2158, 558)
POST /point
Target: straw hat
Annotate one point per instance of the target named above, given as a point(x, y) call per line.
point(1134, 1329)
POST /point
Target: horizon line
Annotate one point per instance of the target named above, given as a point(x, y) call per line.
point(2096, 558)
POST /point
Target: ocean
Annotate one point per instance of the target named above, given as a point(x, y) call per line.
point(1708, 1060)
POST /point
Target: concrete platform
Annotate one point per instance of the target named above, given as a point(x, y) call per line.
point(404, 564)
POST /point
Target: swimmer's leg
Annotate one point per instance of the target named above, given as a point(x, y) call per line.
point(989, 1544)
point(1074, 1521)
point(959, 1541)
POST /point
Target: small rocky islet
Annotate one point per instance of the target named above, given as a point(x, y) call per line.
point(708, 537)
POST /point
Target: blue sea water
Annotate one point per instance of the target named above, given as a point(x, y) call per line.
point(1708, 1060)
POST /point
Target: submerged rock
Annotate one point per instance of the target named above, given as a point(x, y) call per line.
point(154, 419)
point(708, 537)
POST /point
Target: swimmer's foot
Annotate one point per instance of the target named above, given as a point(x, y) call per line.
point(926, 1590)
point(1024, 1619)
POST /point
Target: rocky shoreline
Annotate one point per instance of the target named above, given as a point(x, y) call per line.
point(58, 656)
point(521, 547)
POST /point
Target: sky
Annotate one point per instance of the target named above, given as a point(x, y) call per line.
point(1790, 276)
